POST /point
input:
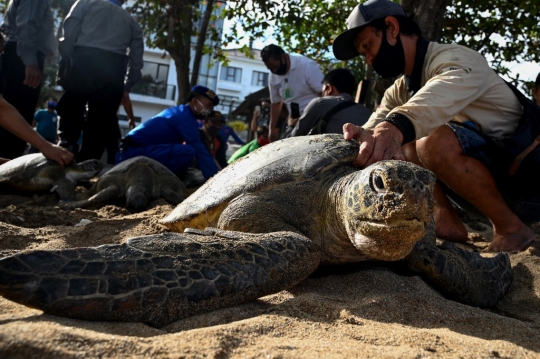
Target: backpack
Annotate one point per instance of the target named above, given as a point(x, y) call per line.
point(321, 122)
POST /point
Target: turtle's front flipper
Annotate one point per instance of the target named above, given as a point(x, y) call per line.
point(65, 189)
point(463, 276)
point(158, 279)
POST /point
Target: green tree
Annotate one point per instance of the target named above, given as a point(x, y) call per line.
point(178, 27)
point(503, 31)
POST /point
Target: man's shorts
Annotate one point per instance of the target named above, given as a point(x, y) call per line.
point(521, 190)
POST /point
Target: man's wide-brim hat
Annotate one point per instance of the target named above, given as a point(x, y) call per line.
point(206, 92)
point(362, 15)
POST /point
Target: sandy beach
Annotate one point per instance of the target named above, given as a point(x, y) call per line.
point(364, 310)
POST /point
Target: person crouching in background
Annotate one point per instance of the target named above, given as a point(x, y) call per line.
point(211, 138)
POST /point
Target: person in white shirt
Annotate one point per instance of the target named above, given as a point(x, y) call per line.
point(293, 79)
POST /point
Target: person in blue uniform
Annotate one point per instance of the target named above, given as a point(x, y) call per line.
point(172, 136)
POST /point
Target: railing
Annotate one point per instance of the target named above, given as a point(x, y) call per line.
point(167, 92)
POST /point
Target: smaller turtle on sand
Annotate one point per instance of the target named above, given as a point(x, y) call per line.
point(35, 173)
point(139, 180)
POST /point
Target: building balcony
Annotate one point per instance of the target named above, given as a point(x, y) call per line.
point(158, 90)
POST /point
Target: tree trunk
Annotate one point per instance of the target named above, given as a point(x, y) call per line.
point(200, 41)
point(179, 46)
point(428, 14)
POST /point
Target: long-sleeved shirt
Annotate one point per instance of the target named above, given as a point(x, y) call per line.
point(30, 24)
point(175, 125)
point(104, 25)
point(455, 83)
point(227, 131)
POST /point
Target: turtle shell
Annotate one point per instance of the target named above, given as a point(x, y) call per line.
point(124, 166)
point(31, 172)
point(286, 161)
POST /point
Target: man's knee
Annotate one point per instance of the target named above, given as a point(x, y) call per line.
point(439, 147)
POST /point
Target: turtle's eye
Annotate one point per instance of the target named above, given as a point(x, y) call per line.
point(377, 182)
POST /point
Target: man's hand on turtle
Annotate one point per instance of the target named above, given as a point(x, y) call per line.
point(381, 143)
point(58, 154)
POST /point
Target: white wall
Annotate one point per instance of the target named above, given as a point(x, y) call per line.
point(244, 88)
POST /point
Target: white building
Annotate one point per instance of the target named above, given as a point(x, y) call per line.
point(242, 76)
point(158, 87)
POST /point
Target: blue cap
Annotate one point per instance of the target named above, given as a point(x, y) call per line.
point(206, 92)
point(362, 15)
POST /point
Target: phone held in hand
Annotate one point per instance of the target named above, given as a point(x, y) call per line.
point(295, 110)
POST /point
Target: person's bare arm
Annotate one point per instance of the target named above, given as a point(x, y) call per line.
point(12, 121)
point(381, 143)
point(255, 120)
point(128, 107)
point(275, 111)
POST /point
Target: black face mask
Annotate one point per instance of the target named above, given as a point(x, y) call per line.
point(390, 60)
point(282, 68)
point(213, 131)
point(265, 110)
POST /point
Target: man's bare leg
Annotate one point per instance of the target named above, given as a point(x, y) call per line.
point(448, 225)
point(441, 153)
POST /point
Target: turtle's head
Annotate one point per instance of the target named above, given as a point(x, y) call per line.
point(386, 208)
point(83, 170)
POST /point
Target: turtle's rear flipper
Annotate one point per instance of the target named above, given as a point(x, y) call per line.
point(463, 276)
point(158, 279)
point(99, 198)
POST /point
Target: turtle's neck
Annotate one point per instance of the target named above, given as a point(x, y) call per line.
point(337, 245)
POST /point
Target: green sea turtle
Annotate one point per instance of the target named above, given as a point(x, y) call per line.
point(280, 212)
point(35, 173)
point(138, 180)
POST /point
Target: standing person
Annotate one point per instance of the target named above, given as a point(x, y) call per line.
point(293, 79)
point(28, 26)
point(536, 90)
point(114, 135)
point(336, 107)
point(45, 122)
point(452, 114)
point(211, 137)
point(12, 121)
point(97, 36)
point(172, 137)
point(261, 115)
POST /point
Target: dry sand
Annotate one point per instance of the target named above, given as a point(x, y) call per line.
point(365, 310)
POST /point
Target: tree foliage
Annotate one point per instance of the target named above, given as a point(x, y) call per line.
point(503, 31)
point(310, 26)
point(178, 26)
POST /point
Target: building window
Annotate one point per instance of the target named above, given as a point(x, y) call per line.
point(154, 81)
point(233, 74)
point(158, 73)
point(259, 78)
